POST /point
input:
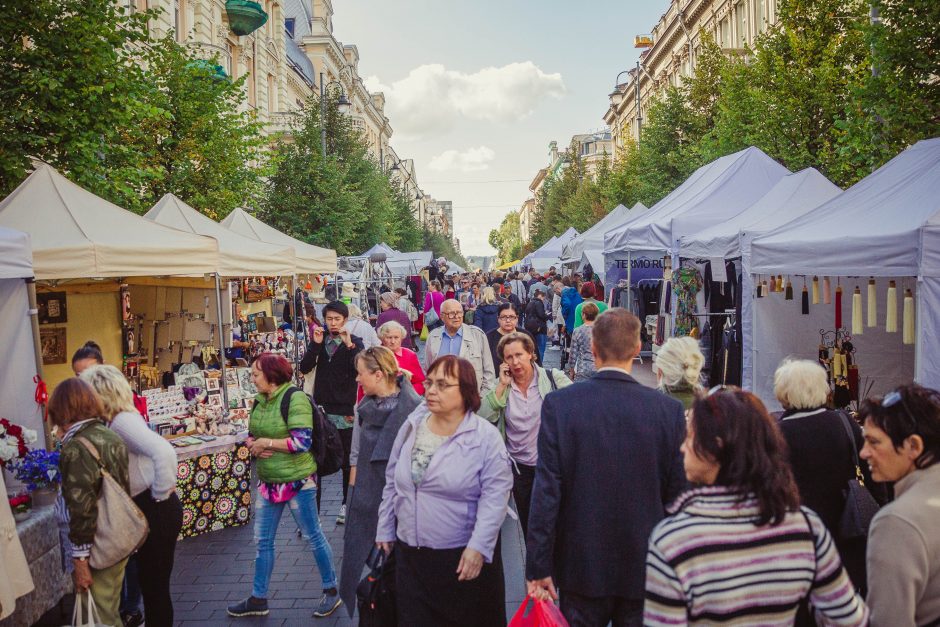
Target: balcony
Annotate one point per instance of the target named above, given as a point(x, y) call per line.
point(282, 122)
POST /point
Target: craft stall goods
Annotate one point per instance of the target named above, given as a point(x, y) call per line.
point(213, 482)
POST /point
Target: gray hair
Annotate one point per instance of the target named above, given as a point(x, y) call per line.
point(801, 384)
point(392, 327)
point(112, 388)
point(680, 359)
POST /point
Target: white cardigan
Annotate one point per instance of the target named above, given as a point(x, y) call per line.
point(151, 459)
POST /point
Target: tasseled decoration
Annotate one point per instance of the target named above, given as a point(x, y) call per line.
point(891, 308)
point(789, 291)
point(872, 304)
point(815, 290)
point(908, 322)
point(827, 291)
point(780, 283)
point(858, 325)
point(308, 286)
point(765, 289)
point(839, 307)
point(759, 291)
point(836, 364)
point(805, 304)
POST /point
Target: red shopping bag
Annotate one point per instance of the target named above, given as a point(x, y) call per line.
point(537, 613)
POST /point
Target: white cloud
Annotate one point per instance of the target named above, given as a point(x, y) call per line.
point(470, 160)
point(432, 99)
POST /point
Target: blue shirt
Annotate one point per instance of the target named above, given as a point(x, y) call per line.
point(451, 345)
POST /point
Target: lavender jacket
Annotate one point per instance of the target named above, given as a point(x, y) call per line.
point(463, 498)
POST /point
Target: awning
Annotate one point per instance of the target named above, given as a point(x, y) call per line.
point(309, 259)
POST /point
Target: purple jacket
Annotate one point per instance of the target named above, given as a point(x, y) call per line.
point(463, 498)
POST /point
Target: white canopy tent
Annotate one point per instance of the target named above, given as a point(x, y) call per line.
point(549, 253)
point(308, 259)
point(76, 234)
point(452, 267)
point(793, 196)
point(17, 402)
point(408, 264)
point(382, 248)
point(885, 226)
point(238, 255)
point(593, 238)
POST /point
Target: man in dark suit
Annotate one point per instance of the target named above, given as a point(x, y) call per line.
point(608, 464)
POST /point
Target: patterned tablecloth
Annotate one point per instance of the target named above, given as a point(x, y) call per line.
point(214, 485)
point(39, 536)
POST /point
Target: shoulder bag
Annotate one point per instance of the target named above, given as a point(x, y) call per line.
point(375, 594)
point(860, 506)
point(121, 527)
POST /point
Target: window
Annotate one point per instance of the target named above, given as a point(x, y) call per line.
point(740, 17)
point(177, 18)
point(760, 15)
point(289, 26)
point(725, 40)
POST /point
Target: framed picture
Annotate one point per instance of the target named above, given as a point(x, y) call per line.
point(52, 307)
point(125, 303)
point(130, 341)
point(215, 400)
point(231, 378)
point(212, 384)
point(53, 345)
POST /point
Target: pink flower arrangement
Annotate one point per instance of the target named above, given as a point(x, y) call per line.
point(21, 503)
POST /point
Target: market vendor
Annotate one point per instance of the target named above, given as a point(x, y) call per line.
point(237, 351)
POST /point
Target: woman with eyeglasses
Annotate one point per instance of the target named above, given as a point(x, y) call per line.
point(902, 444)
point(508, 319)
point(739, 548)
point(446, 493)
point(391, 334)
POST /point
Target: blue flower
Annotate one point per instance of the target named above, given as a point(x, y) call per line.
point(38, 469)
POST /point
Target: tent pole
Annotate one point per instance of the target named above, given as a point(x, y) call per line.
point(37, 350)
point(630, 282)
point(297, 300)
point(218, 307)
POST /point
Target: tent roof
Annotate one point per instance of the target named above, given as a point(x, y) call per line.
point(382, 248)
point(715, 192)
point(238, 255)
point(792, 196)
point(887, 224)
point(309, 259)
point(553, 247)
point(76, 234)
point(593, 238)
point(453, 267)
point(16, 258)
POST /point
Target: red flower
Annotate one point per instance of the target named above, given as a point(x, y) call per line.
point(17, 501)
point(14, 430)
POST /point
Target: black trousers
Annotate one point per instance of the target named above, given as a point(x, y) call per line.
point(155, 557)
point(523, 477)
point(582, 611)
point(345, 436)
point(429, 595)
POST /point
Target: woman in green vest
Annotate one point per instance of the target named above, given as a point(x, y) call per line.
point(287, 472)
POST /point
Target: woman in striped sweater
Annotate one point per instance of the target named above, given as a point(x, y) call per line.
point(739, 549)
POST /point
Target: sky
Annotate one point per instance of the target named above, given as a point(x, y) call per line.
point(476, 90)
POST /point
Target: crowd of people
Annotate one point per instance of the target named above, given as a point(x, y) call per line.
point(638, 505)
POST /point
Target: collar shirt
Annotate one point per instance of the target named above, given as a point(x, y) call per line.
point(450, 345)
point(523, 417)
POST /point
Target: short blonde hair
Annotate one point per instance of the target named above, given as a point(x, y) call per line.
point(379, 359)
point(112, 388)
point(801, 384)
point(680, 359)
point(389, 327)
point(489, 295)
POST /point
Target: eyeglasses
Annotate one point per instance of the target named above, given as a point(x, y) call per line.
point(432, 384)
point(451, 314)
point(509, 317)
point(893, 398)
point(718, 388)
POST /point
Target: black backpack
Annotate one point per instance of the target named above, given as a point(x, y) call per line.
point(327, 448)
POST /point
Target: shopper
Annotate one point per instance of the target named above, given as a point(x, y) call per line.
point(391, 334)
point(581, 362)
point(536, 321)
point(433, 299)
point(76, 412)
point(360, 328)
point(486, 314)
point(570, 299)
point(454, 463)
point(390, 312)
point(822, 456)
point(508, 319)
point(740, 548)
point(287, 476)
point(152, 468)
point(608, 465)
point(88, 355)
point(333, 353)
point(389, 399)
point(558, 321)
point(515, 406)
point(461, 340)
point(678, 368)
point(587, 295)
point(902, 445)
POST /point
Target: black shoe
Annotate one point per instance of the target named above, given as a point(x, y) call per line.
point(132, 619)
point(249, 607)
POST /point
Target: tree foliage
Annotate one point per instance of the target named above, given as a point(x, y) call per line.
point(506, 239)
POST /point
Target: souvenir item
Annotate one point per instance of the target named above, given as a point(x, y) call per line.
point(908, 321)
point(858, 326)
point(827, 291)
point(891, 308)
point(805, 301)
point(872, 304)
point(788, 290)
point(838, 307)
point(815, 290)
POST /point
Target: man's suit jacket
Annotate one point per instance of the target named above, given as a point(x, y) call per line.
point(475, 348)
point(609, 463)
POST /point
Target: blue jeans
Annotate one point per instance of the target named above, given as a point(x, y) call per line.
point(303, 507)
point(540, 340)
point(131, 597)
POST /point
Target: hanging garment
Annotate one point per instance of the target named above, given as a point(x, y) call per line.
point(686, 284)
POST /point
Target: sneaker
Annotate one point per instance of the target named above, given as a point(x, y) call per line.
point(341, 519)
point(249, 607)
point(328, 603)
point(132, 619)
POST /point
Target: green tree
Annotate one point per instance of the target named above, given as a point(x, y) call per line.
point(442, 246)
point(507, 239)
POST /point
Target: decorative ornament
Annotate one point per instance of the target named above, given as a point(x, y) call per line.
point(308, 286)
point(780, 283)
point(815, 290)
point(858, 326)
point(827, 291)
point(789, 290)
point(804, 300)
point(760, 287)
point(872, 304)
point(907, 336)
point(838, 307)
point(891, 308)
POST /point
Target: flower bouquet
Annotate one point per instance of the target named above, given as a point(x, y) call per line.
point(13, 441)
point(21, 506)
point(38, 470)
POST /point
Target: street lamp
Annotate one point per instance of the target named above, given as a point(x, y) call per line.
point(342, 105)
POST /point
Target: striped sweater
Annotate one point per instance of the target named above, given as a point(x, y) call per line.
point(709, 563)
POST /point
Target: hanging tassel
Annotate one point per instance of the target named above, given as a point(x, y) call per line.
point(760, 288)
point(780, 283)
point(827, 291)
point(815, 290)
point(839, 307)
point(308, 286)
point(858, 325)
point(891, 308)
point(836, 364)
point(805, 304)
point(789, 291)
point(872, 304)
point(908, 322)
point(764, 288)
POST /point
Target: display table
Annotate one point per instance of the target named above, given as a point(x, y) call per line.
point(213, 481)
point(39, 536)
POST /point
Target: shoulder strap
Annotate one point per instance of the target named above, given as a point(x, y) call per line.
point(285, 401)
point(848, 430)
point(91, 449)
point(551, 378)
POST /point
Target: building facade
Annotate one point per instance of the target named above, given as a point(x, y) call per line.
point(526, 215)
point(676, 42)
point(439, 217)
point(593, 149)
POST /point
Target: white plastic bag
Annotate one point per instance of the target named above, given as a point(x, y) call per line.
point(88, 618)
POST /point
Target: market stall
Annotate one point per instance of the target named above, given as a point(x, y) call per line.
point(882, 235)
point(588, 247)
point(549, 253)
point(308, 259)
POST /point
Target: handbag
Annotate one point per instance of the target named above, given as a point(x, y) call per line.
point(91, 617)
point(430, 316)
point(121, 526)
point(538, 613)
point(860, 506)
point(424, 333)
point(375, 594)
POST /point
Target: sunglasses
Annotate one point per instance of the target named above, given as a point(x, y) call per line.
point(893, 398)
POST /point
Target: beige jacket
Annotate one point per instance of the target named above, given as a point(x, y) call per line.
point(15, 578)
point(475, 348)
point(904, 554)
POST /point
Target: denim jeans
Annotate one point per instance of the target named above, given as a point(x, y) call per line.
point(540, 340)
point(131, 597)
point(303, 507)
